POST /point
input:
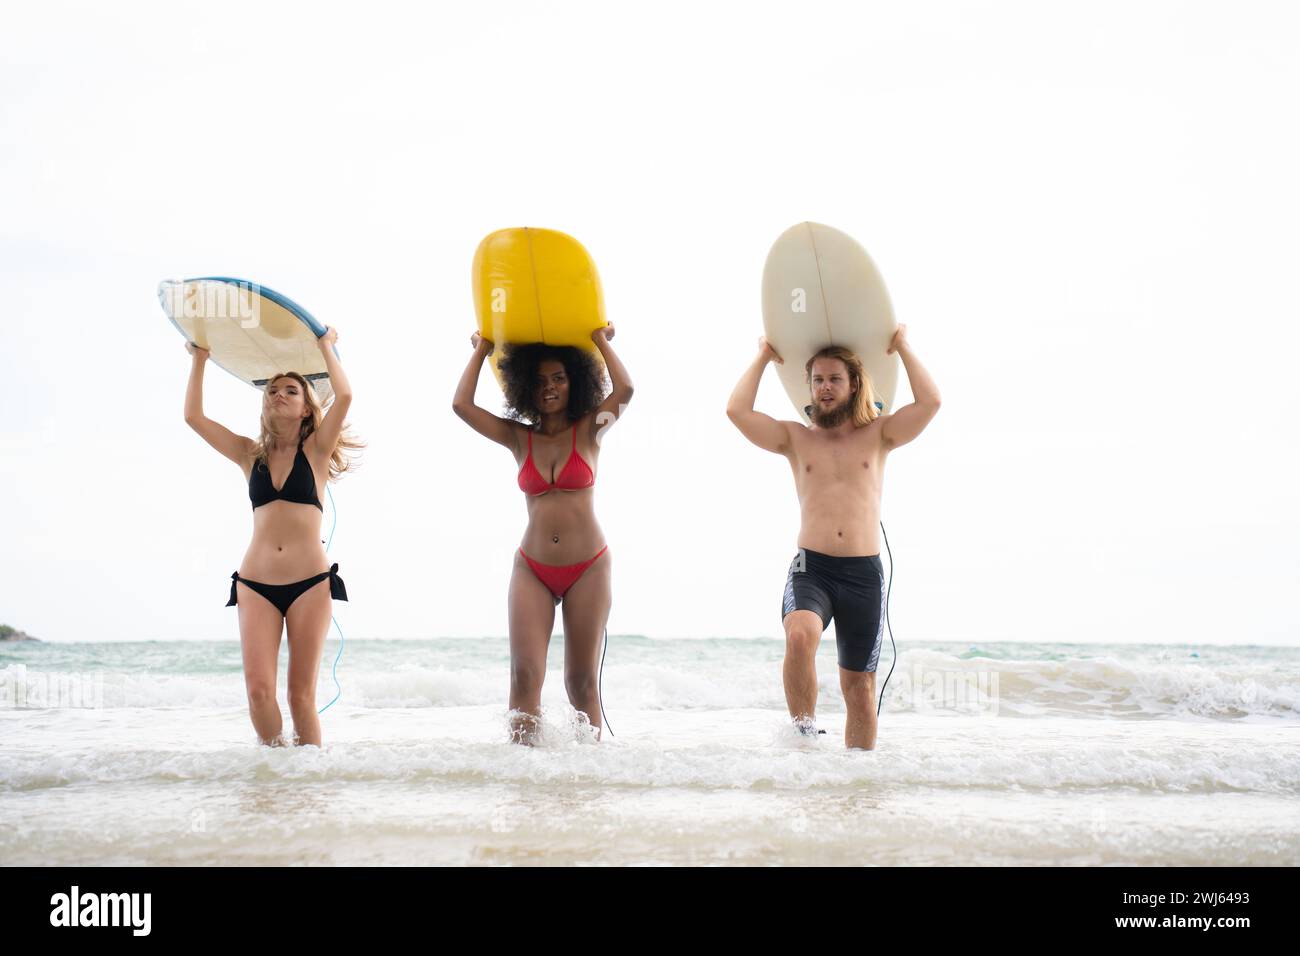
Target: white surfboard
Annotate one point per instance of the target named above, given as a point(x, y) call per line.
point(253, 332)
point(821, 288)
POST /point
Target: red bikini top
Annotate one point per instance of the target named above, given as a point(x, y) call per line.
point(575, 474)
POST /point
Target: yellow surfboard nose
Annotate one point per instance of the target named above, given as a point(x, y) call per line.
point(536, 285)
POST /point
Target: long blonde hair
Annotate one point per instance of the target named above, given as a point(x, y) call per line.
point(339, 461)
point(864, 398)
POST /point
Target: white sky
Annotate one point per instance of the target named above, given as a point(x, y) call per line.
point(1086, 216)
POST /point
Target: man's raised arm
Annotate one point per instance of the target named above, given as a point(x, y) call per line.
point(910, 420)
point(763, 430)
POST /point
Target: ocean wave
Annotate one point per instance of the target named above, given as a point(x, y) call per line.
point(970, 761)
point(1105, 687)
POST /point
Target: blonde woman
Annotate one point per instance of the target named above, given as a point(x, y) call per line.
point(280, 583)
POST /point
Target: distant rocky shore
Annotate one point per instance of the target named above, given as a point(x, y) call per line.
point(8, 633)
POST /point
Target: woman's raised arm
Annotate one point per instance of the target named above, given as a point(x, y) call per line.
point(620, 382)
point(499, 429)
point(331, 426)
point(235, 447)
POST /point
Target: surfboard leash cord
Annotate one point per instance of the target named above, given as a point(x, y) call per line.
point(339, 692)
point(600, 697)
point(890, 627)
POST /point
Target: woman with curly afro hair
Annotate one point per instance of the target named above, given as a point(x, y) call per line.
point(557, 411)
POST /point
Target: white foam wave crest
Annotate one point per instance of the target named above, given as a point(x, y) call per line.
point(1162, 766)
point(1101, 687)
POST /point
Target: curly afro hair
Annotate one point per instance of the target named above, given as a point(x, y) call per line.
point(519, 368)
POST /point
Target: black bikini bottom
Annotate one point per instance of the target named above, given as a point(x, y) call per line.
point(283, 595)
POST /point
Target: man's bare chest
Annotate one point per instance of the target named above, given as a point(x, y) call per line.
point(857, 460)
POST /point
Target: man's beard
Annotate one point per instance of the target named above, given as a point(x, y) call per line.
point(833, 417)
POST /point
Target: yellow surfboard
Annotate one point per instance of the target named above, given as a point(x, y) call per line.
point(536, 285)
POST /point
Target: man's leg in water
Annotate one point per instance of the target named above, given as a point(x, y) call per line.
point(803, 632)
point(859, 689)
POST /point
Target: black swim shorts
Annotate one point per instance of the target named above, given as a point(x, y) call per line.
point(850, 590)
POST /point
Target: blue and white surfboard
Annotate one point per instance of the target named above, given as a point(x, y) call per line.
point(252, 332)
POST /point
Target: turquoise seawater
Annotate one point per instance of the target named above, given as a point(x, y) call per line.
point(141, 753)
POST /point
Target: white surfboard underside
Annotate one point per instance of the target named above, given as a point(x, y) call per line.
point(821, 288)
point(252, 332)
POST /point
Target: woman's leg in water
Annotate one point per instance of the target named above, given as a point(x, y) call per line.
point(586, 611)
point(532, 616)
point(308, 623)
point(260, 627)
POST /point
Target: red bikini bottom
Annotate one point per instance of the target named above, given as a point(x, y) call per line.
point(560, 577)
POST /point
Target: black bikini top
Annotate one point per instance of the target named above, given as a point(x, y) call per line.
point(299, 487)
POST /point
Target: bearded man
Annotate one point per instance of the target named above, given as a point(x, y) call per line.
point(838, 465)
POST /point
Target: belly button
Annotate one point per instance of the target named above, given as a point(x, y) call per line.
point(279, 549)
point(555, 539)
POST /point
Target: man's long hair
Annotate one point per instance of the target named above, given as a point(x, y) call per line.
point(864, 396)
